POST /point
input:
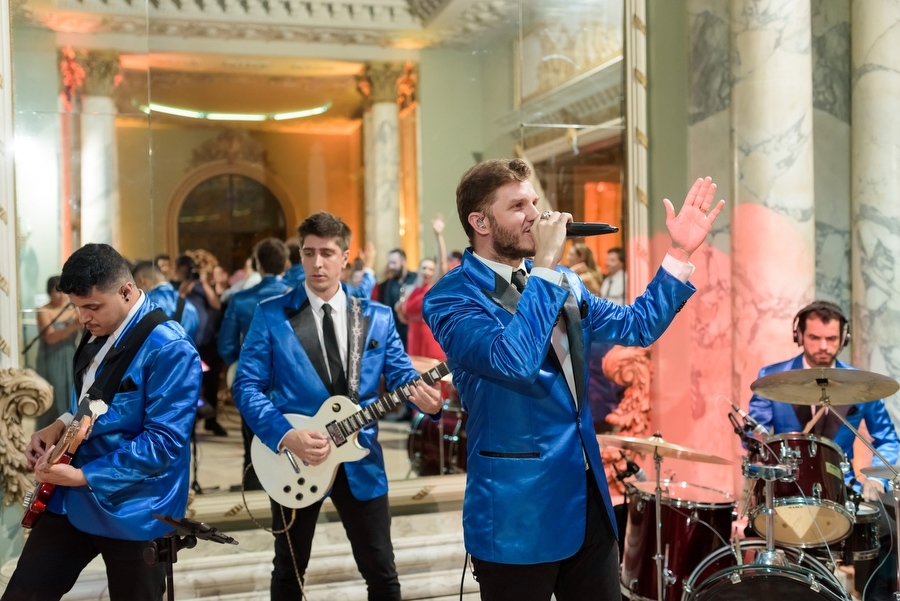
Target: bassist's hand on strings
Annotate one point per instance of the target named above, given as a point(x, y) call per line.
point(61, 474)
point(308, 445)
point(425, 397)
point(41, 441)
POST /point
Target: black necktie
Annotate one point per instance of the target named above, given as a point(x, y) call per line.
point(84, 358)
point(333, 353)
point(518, 280)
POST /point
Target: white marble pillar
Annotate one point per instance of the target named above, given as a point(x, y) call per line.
point(9, 331)
point(99, 157)
point(382, 157)
point(773, 221)
point(831, 131)
point(875, 187)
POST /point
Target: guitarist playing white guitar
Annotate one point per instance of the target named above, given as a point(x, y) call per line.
point(303, 348)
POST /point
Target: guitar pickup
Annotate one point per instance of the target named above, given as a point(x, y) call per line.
point(334, 431)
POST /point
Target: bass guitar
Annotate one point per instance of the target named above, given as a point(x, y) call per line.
point(295, 484)
point(75, 433)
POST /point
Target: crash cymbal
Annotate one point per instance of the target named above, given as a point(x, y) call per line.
point(880, 471)
point(842, 386)
point(657, 444)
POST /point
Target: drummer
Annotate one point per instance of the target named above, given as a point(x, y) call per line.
point(822, 330)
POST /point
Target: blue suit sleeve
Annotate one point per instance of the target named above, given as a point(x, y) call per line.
point(170, 394)
point(190, 321)
point(252, 382)
point(229, 345)
point(364, 290)
point(881, 429)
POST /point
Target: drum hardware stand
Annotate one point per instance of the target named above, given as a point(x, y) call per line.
point(825, 401)
point(661, 575)
point(441, 439)
point(769, 473)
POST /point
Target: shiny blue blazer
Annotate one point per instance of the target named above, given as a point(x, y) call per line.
point(137, 459)
point(240, 312)
point(527, 439)
point(276, 376)
point(295, 276)
point(778, 418)
point(165, 297)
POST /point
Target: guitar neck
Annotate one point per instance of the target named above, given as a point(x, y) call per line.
point(372, 413)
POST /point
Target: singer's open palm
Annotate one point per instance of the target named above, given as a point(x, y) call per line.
point(690, 226)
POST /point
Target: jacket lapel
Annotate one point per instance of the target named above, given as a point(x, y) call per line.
point(504, 294)
point(304, 326)
point(572, 316)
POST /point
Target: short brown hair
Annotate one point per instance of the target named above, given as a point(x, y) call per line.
point(271, 255)
point(476, 189)
point(326, 225)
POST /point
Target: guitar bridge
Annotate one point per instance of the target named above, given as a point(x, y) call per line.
point(334, 431)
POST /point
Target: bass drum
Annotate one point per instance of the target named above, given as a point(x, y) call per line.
point(719, 577)
point(426, 439)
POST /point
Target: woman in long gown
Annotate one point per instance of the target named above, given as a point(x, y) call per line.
point(419, 340)
point(59, 326)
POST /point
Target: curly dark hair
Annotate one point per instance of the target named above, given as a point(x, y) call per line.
point(94, 266)
point(475, 193)
point(326, 225)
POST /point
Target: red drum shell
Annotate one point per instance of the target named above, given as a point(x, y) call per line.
point(425, 438)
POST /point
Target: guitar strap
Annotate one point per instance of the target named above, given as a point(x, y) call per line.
point(356, 337)
point(119, 358)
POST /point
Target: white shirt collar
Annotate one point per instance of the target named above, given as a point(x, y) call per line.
point(501, 269)
point(338, 302)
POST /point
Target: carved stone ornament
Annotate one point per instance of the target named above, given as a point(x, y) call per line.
point(629, 367)
point(232, 147)
point(382, 78)
point(23, 393)
point(101, 72)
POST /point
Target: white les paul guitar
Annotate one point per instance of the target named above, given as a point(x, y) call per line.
point(295, 484)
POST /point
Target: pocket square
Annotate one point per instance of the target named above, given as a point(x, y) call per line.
point(584, 309)
point(372, 344)
point(127, 385)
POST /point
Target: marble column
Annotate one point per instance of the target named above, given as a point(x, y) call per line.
point(381, 143)
point(773, 221)
point(875, 187)
point(99, 159)
point(831, 130)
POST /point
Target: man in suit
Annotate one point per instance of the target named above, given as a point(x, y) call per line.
point(295, 274)
point(152, 281)
point(135, 463)
point(822, 330)
point(537, 515)
point(302, 348)
point(271, 256)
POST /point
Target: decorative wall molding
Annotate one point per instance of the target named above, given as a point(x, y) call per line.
point(9, 296)
point(23, 393)
point(231, 146)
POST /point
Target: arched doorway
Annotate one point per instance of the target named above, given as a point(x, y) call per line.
point(227, 215)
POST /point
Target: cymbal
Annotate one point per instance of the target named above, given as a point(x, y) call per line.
point(423, 364)
point(842, 386)
point(657, 444)
point(880, 471)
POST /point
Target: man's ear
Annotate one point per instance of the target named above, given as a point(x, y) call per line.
point(478, 222)
point(345, 258)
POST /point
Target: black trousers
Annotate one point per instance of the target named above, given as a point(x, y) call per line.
point(592, 574)
point(56, 552)
point(368, 527)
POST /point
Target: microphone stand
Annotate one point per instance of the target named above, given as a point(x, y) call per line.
point(184, 536)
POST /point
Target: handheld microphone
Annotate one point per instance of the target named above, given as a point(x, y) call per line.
point(580, 230)
point(755, 426)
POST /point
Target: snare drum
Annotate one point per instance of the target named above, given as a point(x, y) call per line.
point(695, 521)
point(718, 577)
point(812, 510)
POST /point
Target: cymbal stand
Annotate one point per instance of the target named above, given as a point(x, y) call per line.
point(769, 473)
point(895, 481)
point(657, 460)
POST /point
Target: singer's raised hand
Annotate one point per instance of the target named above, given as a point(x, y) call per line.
point(688, 229)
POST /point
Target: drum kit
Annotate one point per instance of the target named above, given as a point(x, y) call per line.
point(796, 501)
point(438, 447)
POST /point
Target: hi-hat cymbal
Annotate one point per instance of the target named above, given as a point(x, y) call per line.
point(842, 386)
point(657, 444)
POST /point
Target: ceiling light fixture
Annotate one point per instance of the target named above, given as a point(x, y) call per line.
point(178, 112)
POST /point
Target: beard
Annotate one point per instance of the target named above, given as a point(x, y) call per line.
point(507, 243)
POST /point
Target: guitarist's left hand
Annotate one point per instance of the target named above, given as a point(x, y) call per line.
point(61, 474)
point(426, 398)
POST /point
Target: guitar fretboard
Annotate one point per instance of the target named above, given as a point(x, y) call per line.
point(371, 413)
